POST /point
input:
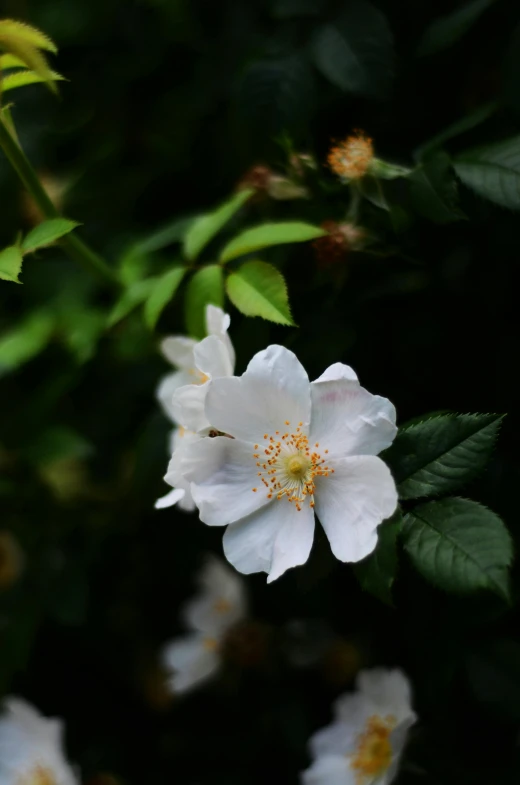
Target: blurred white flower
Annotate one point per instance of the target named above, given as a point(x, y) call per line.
point(180, 351)
point(295, 446)
point(219, 606)
point(364, 743)
point(181, 493)
point(31, 748)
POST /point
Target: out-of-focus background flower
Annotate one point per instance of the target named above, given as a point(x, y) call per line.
point(170, 106)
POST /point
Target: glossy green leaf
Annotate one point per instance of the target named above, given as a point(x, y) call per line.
point(493, 172)
point(268, 235)
point(439, 455)
point(259, 289)
point(133, 296)
point(376, 573)
point(10, 264)
point(23, 78)
point(459, 546)
point(206, 286)
point(355, 51)
point(161, 294)
point(31, 35)
point(24, 341)
point(447, 30)
point(47, 233)
point(203, 229)
point(433, 189)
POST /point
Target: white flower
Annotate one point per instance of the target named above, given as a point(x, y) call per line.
point(296, 446)
point(31, 748)
point(180, 351)
point(364, 743)
point(220, 604)
point(181, 493)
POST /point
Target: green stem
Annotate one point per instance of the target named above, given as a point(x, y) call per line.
point(73, 245)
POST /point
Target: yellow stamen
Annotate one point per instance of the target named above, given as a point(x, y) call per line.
point(374, 752)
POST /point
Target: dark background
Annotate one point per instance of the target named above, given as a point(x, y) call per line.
point(169, 103)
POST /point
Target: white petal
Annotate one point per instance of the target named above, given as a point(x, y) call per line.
point(348, 420)
point(167, 387)
point(217, 323)
point(170, 499)
point(223, 473)
point(271, 540)
point(352, 710)
point(180, 439)
point(330, 770)
point(188, 406)
point(273, 390)
point(28, 740)
point(212, 357)
point(337, 371)
point(352, 502)
point(221, 602)
point(179, 351)
point(191, 660)
point(398, 739)
point(388, 689)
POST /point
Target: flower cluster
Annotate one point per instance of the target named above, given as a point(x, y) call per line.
point(266, 451)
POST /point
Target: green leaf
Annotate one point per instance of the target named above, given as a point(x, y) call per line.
point(81, 329)
point(493, 172)
point(259, 289)
point(10, 264)
point(136, 294)
point(203, 229)
point(372, 190)
point(433, 189)
point(355, 53)
point(267, 235)
point(162, 292)
point(206, 286)
point(26, 340)
point(466, 123)
point(376, 573)
point(172, 233)
point(388, 171)
point(29, 55)
point(438, 455)
point(23, 78)
point(447, 30)
point(459, 546)
point(47, 233)
point(10, 61)
point(31, 35)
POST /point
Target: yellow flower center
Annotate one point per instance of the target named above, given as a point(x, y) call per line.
point(39, 775)
point(198, 376)
point(351, 158)
point(288, 466)
point(211, 644)
point(373, 754)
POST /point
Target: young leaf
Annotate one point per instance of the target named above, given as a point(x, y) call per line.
point(203, 229)
point(133, 296)
point(173, 232)
point(459, 545)
point(447, 30)
point(10, 61)
point(259, 289)
point(433, 189)
point(30, 56)
point(25, 32)
point(25, 340)
point(206, 286)
point(47, 233)
point(466, 123)
point(493, 172)
point(269, 234)
point(10, 264)
point(355, 53)
point(23, 78)
point(387, 171)
point(438, 455)
point(376, 573)
point(162, 292)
